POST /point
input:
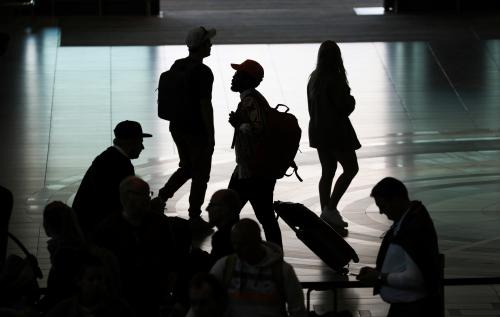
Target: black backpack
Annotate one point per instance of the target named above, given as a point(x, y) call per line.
point(279, 144)
point(173, 93)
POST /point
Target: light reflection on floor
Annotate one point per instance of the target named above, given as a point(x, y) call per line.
point(424, 114)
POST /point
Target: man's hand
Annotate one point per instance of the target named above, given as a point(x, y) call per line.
point(158, 205)
point(234, 120)
point(368, 274)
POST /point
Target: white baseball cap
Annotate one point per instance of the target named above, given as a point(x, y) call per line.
point(197, 36)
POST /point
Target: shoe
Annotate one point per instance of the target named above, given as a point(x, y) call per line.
point(333, 218)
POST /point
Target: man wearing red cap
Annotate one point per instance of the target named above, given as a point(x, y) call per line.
point(248, 122)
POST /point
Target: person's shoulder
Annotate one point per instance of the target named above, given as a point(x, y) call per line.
point(205, 72)
point(111, 153)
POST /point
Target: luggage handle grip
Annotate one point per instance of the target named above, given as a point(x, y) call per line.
point(282, 105)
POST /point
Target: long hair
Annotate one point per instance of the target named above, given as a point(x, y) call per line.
point(330, 72)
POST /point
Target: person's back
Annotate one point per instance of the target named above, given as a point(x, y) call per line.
point(98, 195)
point(199, 80)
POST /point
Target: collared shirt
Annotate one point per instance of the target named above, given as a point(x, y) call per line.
point(250, 111)
point(405, 281)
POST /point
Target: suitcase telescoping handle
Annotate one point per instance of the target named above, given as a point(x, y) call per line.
point(282, 105)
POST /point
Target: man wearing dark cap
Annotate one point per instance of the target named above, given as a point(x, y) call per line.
point(98, 195)
point(248, 122)
point(193, 131)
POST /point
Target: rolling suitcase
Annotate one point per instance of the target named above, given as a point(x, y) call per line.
point(317, 235)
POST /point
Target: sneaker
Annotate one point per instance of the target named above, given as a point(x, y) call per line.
point(333, 218)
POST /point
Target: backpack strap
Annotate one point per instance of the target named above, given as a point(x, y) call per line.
point(229, 269)
point(295, 171)
point(277, 276)
point(29, 257)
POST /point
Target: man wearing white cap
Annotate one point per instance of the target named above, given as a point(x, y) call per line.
point(193, 129)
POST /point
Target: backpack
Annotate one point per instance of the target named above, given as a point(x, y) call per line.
point(279, 144)
point(276, 275)
point(173, 93)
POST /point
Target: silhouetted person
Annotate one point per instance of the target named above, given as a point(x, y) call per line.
point(249, 122)
point(94, 296)
point(258, 281)
point(145, 248)
point(193, 132)
point(67, 247)
point(223, 212)
point(6, 204)
point(208, 297)
point(98, 195)
point(330, 130)
point(408, 270)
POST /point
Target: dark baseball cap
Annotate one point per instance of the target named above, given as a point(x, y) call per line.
point(130, 130)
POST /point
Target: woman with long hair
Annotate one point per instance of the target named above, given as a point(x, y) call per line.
point(330, 130)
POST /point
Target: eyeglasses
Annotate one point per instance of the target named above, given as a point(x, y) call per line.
point(151, 193)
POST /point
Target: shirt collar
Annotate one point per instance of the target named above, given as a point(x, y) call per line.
point(397, 225)
point(245, 93)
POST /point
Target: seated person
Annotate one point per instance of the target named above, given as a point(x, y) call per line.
point(66, 247)
point(258, 281)
point(223, 212)
point(144, 245)
point(208, 297)
point(94, 295)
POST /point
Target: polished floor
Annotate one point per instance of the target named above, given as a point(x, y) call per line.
point(427, 113)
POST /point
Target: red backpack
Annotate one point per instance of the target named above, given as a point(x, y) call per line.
point(275, 153)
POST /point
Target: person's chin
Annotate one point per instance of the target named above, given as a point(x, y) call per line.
point(234, 88)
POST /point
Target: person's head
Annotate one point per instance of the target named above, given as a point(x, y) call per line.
point(59, 221)
point(391, 197)
point(91, 280)
point(246, 240)
point(329, 66)
point(199, 41)
point(248, 75)
point(207, 296)
point(330, 57)
point(129, 137)
point(135, 198)
point(224, 207)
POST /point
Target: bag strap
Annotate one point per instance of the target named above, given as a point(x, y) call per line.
point(30, 257)
point(295, 171)
point(278, 279)
point(229, 269)
point(19, 244)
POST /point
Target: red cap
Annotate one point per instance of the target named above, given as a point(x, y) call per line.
point(250, 67)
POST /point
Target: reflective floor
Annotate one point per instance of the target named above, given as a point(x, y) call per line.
point(427, 113)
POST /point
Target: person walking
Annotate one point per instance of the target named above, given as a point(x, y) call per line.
point(249, 122)
point(193, 128)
